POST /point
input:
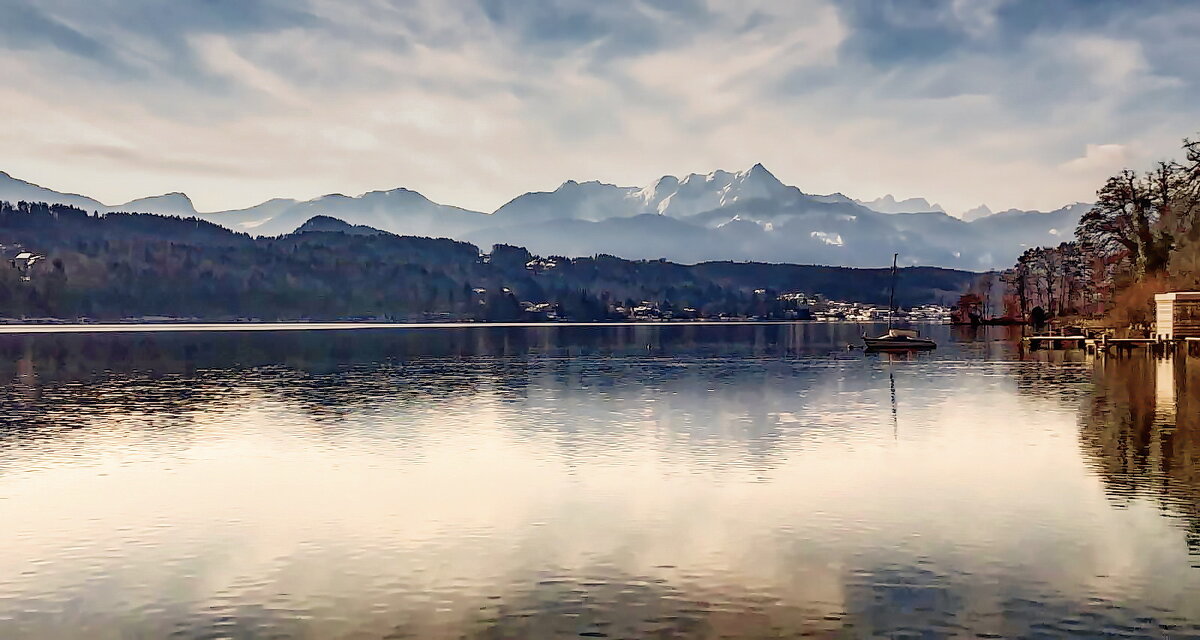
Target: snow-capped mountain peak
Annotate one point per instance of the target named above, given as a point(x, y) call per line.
point(697, 193)
point(760, 175)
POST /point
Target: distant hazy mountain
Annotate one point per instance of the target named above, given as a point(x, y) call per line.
point(15, 190)
point(1026, 229)
point(971, 215)
point(170, 204)
point(889, 204)
point(399, 210)
point(744, 215)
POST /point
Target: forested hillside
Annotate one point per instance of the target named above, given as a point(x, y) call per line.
point(119, 265)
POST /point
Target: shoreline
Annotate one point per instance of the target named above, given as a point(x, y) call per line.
point(165, 327)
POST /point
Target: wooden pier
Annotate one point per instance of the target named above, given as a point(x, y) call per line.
point(1176, 329)
point(1056, 342)
point(1105, 344)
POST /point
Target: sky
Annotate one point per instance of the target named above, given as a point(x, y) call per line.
point(1012, 103)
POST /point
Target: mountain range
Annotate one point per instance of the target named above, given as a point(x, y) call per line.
point(723, 215)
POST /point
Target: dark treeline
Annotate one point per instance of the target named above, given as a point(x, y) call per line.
point(129, 265)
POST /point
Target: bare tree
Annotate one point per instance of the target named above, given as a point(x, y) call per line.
point(1142, 215)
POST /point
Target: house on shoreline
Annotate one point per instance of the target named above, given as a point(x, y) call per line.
point(1177, 315)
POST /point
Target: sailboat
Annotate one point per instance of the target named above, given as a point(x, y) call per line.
point(897, 339)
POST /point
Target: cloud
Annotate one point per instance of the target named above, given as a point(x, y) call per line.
point(135, 159)
point(218, 56)
point(473, 102)
point(1102, 159)
point(25, 27)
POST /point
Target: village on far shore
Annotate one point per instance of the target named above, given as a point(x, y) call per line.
point(791, 306)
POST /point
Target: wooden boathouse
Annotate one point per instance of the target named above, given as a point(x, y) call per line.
point(1177, 315)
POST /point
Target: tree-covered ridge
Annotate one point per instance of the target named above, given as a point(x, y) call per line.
point(128, 265)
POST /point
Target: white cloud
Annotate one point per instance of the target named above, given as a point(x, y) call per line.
point(721, 73)
point(977, 17)
point(1109, 62)
point(1100, 159)
point(218, 55)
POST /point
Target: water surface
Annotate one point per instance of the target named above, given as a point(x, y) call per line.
point(636, 481)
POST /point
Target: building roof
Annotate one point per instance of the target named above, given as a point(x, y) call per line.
point(1177, 295)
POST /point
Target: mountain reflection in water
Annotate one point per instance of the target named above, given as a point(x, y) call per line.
point(674, 481)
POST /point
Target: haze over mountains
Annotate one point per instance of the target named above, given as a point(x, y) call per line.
point(745, 215)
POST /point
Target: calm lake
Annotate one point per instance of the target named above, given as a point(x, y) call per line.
point(640, 481)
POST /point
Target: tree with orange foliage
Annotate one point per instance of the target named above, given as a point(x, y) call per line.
point(969, 309)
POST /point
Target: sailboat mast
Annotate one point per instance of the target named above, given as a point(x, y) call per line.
point(892, 293)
